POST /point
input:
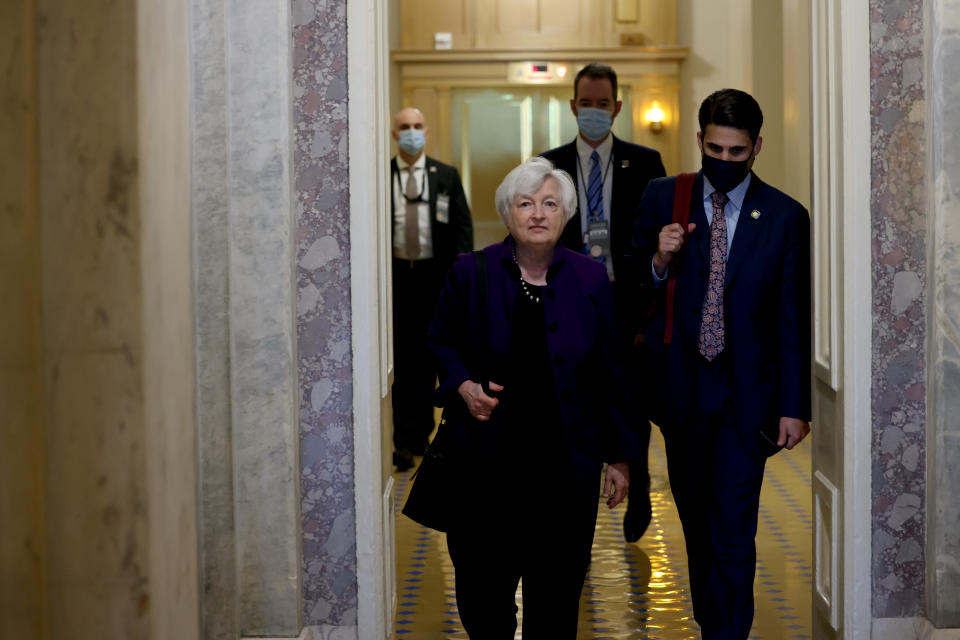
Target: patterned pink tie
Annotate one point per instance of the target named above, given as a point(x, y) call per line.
point(711, 323)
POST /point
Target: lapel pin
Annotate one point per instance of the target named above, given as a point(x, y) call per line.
point(754, 214)
point(433, 169)
point(624, 164)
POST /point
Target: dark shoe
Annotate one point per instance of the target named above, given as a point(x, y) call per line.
point(639, 512)
point(403, 460)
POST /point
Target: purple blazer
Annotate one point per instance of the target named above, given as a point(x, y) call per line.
point(598, 421)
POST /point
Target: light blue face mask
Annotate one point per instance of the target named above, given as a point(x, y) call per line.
point(594, 123)
point(411, 140)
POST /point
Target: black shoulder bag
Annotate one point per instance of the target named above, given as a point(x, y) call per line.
point(437, 483)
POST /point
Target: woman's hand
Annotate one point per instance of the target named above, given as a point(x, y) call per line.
point(479, 404)
point(616, 483)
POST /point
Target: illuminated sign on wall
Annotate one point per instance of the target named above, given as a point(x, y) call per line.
point(538, 72)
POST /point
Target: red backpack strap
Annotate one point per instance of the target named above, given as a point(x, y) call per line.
point(682, 194)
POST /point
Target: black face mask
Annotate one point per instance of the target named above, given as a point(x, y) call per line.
point(724, 175)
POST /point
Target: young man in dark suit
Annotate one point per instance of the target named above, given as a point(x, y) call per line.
point(611, 175)
point(729, 378)
point(430, 226)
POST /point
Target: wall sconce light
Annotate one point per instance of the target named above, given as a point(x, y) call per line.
point(654, 117)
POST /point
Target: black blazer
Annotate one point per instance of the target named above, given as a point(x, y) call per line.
point(633, 166)
point(766, 309)
point(453, 235)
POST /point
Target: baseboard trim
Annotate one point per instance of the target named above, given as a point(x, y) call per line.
point(321, 632)
point(910, 629)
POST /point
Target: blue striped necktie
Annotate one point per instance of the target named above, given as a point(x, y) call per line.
point(595, 188)
point(595, 197)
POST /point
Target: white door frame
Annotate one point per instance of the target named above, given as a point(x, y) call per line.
point(857, 278)
point(368, 98)
point(840, 47)
point(369, 153)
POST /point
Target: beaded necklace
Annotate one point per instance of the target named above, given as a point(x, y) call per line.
point(523, 283)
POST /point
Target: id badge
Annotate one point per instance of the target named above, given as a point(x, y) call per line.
point(598, 238)
point(443, 208)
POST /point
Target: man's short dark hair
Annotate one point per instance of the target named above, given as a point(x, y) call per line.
point(731, 108)
point(596, 71)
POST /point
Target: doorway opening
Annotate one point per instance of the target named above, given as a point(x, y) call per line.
point(492, 130)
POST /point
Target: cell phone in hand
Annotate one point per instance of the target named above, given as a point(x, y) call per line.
point(768, 441)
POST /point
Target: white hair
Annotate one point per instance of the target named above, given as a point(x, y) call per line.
point(526, 179)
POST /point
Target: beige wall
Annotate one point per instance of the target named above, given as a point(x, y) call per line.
point(21, 412)
point(488, 36)
point(768, 84)
point(797, 127)
point(713, 62)
point(537, 24)
point(761, 46)
point(764, 49)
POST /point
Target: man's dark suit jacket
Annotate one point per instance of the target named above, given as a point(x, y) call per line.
point(456, 234)
point(584, 355)
point(632, 166)
point(766, 309)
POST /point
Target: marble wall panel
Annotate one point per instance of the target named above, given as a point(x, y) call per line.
point(324, 311)
point(21, 387)
point(899, 257)
point(211, 263)
point(909, 629)
point(943, 521)
point(262, 307)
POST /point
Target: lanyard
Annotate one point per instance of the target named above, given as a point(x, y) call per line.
point(423, 185)
point(603, 178)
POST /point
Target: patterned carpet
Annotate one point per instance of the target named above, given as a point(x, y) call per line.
point(637, 591)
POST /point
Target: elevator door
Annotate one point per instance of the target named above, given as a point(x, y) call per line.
point(495, 129)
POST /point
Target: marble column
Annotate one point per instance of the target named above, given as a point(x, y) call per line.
point(900, 310)
point(274, 385)
point(943, 427)
point(210, 195)
point(246, 341)
point(263, 370)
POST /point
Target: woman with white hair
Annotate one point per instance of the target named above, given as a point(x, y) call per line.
point(538, 403)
